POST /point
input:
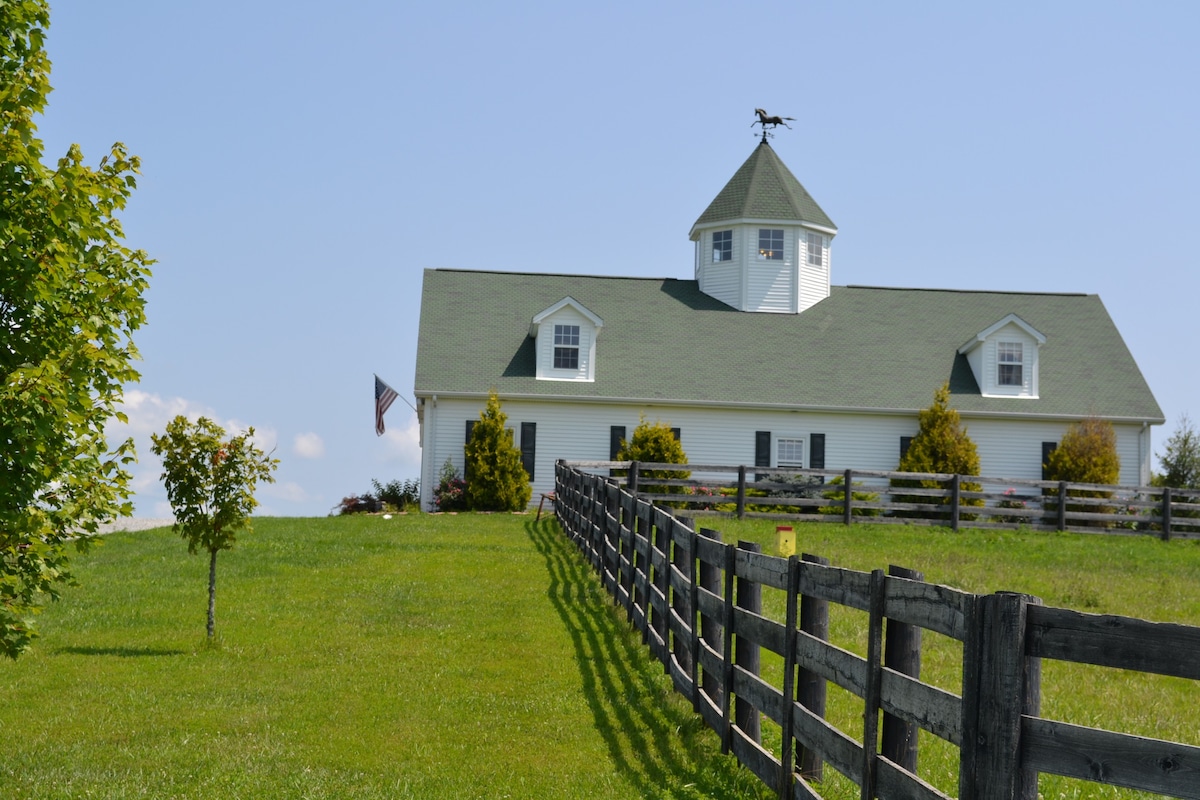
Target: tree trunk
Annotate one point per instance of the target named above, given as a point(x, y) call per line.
point(212, 592)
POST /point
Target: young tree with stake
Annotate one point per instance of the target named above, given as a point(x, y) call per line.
point(210, 482)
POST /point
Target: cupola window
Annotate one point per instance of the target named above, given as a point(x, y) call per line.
point(770, 244)
point(722, 246)
point(816, 249)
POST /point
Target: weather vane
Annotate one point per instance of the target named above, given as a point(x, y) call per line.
point(765, 119)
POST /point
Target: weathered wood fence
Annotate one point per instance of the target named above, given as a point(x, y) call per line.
point(695, 600)
point(944, 499)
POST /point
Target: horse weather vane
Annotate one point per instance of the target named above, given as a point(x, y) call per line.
point(765, 119)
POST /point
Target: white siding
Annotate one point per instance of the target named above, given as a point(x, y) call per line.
point(814, 280)
point(724, 282)
point(580, 430)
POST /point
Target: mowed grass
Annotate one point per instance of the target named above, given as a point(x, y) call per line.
point(418, 657)
point(1125, 575)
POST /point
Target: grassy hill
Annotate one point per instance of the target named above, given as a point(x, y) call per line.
point(418, 657)
point(475, 656)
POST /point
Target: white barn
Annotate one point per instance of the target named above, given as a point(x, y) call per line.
point(759, 360)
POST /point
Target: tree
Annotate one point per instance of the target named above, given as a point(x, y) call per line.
point(496, 479)
point(941, 446)
point(1086, 454)
point(70, 300)
point(210, 483)
point(1181, 459)
point(655, 442)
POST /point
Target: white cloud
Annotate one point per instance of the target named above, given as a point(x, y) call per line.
point(308, 445)
point(403, 445)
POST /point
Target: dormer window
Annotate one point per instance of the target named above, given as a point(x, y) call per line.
point(722, 246)
point(1004, 358)
point(565, 341)
point(816, 249)
point(1011, 361)
point(566, 347)
point(770, 244)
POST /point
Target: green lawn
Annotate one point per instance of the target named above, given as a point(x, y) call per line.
point(1137, 576)
point(418, 657)
point(475, 656)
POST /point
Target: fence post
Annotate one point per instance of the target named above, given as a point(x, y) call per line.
point(1166, 514)
point(711, 631)
point(811, 687)
point(682, 559)
point(789, 680)
point(662, 543)
point(902, 653)
point(955, 500)
point(1062, 505)
point(746, 652)
point(633, 478)
point(847, 513)
point(741, 492)
point(999, 685)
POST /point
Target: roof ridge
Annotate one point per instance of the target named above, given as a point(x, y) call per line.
point(960, 291)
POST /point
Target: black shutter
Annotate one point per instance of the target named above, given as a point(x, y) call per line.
point(905, 441)
point(466, 441)
point(762, 452)
point(816, 447)
point(676, 433)
point(616, 435)
point(528, 446)
point(1047, 449)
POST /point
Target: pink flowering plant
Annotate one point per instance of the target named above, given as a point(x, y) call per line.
point(451, 491)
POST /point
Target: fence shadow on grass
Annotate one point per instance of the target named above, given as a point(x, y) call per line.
point(653, 739)
point(121, 652)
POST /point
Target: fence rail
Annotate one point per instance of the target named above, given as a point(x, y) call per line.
point(909, 498)
point(697, 602)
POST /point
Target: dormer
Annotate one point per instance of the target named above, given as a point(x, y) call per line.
point(1004, 358)
point(763, 243)
point(565, 341)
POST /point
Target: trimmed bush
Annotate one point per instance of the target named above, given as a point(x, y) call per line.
point(498, 481)
point(1086, 454)
point(655, 442)
point(943, 446)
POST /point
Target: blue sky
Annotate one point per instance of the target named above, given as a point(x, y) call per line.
point(302, 166)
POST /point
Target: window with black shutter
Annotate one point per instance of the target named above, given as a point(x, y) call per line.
point(1047, 449)
point(816, 451)
point(528, 446)
point(676, 433)
point(467, 441)
point(762, 452)
point(905, 442)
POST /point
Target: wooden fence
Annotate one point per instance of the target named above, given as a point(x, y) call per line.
point(696, 602)
point(924, 499)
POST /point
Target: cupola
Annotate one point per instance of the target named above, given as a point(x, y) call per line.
point(763, 242)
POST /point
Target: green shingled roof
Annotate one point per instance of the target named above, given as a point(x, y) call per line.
point(863, 348)
point(764, 188)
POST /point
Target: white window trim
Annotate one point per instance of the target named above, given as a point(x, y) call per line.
point(800, 441)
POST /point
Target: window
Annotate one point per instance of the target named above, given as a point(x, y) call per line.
point(722, 246)
point(789, 452)
point(528, 446)
point(770, 244)
point(1011, 363)
point(566, 347)
point(816, 249)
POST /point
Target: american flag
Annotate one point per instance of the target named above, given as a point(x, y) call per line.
point(384, 395)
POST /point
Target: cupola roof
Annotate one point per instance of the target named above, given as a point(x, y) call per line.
point(764, 188)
